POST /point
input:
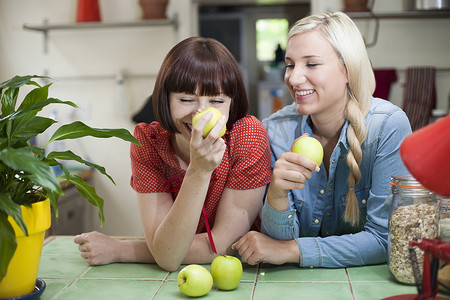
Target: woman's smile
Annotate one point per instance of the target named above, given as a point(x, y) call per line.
point(303, 94)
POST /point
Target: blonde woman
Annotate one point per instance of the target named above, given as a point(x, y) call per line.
point(335, 215)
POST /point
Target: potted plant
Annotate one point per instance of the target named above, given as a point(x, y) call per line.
point(27, 181)
point(153, 9)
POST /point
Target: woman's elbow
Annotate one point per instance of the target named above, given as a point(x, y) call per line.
point(168, 265)
point(166, 261)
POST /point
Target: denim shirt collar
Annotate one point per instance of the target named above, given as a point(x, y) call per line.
point(342, 142)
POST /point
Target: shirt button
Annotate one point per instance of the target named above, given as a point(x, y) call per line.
point(322, 192)
point(290, 216)
point(364, 201)
point(316, 221)
point(332, 161)
point(329, 189)
point(327, 233)
point(328, 214)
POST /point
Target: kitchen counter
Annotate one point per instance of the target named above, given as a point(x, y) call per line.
point(68, 277)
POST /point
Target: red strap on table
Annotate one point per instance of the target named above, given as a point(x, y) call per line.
point(208, 230)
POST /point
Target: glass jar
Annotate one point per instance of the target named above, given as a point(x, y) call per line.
point(444, 218)
point(413, 215)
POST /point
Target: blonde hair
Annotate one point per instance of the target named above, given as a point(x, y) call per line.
point(343, 35)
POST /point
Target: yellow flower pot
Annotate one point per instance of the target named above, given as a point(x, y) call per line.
point(22, 271)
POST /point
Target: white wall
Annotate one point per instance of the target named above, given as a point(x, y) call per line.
point(404, 43)
point(84, 64)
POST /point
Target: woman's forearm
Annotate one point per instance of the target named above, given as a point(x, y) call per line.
point(174, 236)
point(135, 252)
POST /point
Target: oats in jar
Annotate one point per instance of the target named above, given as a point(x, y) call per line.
point(409, 223)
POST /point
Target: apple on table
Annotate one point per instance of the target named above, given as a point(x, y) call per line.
point(194, 280)
point(226, 271)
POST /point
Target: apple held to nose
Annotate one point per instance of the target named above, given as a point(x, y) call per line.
point(226, 272)
point(309, 147)
point(216, 116)
point(194, 280)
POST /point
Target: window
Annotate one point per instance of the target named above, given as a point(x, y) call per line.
point(270, 34)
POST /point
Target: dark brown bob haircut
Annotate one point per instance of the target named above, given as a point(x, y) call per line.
point(199, 65)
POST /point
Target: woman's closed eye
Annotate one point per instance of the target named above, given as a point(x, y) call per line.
point(312, 65)
point(187, 99)
point(216, 101)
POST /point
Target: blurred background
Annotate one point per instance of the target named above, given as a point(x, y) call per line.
point(108, 67)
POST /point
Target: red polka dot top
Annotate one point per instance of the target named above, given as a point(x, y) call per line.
point(245, 164)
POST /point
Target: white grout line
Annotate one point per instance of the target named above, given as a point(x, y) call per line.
point(162, 284)
point(256, 281)
point(73, 282)
point(350, 284)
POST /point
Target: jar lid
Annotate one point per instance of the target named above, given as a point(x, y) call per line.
point(407, 181)
point(408, 185)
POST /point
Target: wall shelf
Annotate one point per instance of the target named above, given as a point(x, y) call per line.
point(401, 15)
point(45, 28)
point(97, 25)
point(377, 16)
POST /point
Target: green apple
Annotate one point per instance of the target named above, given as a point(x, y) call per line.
point(194, 280)
point(310, 148)
point(226, 271)
point(216, 116)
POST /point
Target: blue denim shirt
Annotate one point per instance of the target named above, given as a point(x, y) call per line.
point(315, 216)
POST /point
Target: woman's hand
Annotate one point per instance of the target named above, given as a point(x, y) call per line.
point(255, 247)
point(97, 248)
point(206, 153)
point(290, 172)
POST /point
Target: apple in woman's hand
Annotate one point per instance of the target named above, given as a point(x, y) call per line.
point(226, 271)
point(216, 116)
point(194, 280)
point(309, 147)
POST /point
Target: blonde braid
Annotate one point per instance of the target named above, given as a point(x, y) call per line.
point(356, 134)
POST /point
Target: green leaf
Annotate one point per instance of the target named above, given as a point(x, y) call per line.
point(79, 129)
point(69, 155)
point(38, 151)
point(53, 201)
point(39, 172)
point(31, 127)
point(9, 207)
point(35, 108)
point(19, 81)
point(9, 100)
point(35, 96)
point(9, 243)
point(88, 192)
point(3, 142)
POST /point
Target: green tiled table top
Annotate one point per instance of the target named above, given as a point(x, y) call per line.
point(68, 277)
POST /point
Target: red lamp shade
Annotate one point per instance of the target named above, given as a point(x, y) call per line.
point(426, 154)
